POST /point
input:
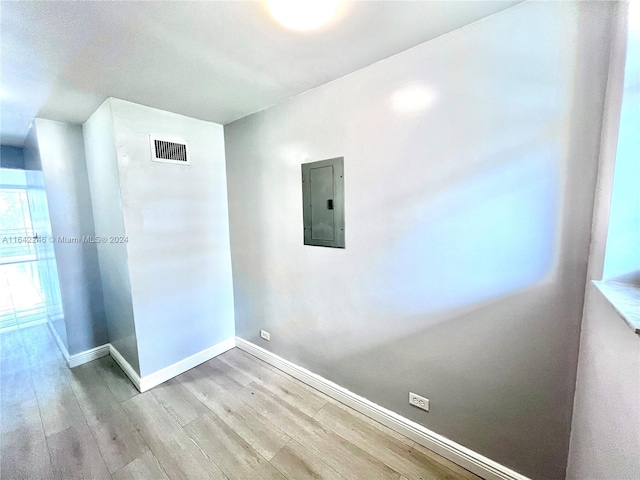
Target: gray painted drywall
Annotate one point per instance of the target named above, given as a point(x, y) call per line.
point(102, 168)
point(30, 151)
point(67, 190)
point(605, 433)
point(176, 221)
point(470, 166)
point(11, 157)
point(39, 210)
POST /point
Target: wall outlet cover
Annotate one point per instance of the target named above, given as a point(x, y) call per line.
point(264, 334)
point(418, 401)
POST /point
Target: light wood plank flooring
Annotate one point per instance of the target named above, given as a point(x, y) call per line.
point(231, 417)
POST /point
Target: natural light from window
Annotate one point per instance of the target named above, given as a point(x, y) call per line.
point(622, 260)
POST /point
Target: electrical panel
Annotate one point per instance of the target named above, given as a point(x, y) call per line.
point(323, 203)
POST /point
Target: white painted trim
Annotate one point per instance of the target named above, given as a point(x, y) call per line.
point(466, 458)
point(18, 326)
point(58, 340)
point(149, 381)
point(88, 355)
point(10, 328)
point(78, 358)
point(125, 366)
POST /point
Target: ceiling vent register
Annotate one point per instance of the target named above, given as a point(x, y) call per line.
point(169, 151)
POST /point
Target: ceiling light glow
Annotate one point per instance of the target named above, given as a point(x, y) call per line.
point(303, 14)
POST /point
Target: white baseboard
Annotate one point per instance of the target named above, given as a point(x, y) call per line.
point(88, 355)
point(125, 366)
point(167, 373)
point(58, 340)
point(149, 381)
point(466, 458)
point(78, 358)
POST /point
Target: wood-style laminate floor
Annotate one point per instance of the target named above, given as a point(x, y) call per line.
point(231, 417)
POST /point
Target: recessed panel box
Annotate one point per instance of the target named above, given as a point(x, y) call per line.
point(323, 202)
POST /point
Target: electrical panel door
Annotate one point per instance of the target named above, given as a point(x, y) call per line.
point(323, 202)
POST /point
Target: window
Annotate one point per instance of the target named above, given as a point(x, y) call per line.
point(621, 273)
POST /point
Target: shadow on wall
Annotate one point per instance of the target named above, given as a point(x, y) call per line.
point(467, 229)
point(464, 245)
point(486, 290)
point(488, 236)
point(490, 379)
point(469, 285)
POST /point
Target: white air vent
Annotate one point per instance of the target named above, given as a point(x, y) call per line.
point(167, 150)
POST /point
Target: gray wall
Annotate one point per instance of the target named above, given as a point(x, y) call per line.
point(11, 157)
point(470, 166)
point(176, 221)
point(67, 192)
point(31, 152)
point(102, 168)
point(605, 433)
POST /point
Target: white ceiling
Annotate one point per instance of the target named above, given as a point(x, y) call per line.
point(217, 61)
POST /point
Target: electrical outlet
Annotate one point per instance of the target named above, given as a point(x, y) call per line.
point(418, 401)
point(264, 334)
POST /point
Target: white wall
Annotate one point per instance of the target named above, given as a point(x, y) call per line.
point(605, 433)
point(176, 221)
point(102, 168)
point(470, 166)
point(67, 192)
